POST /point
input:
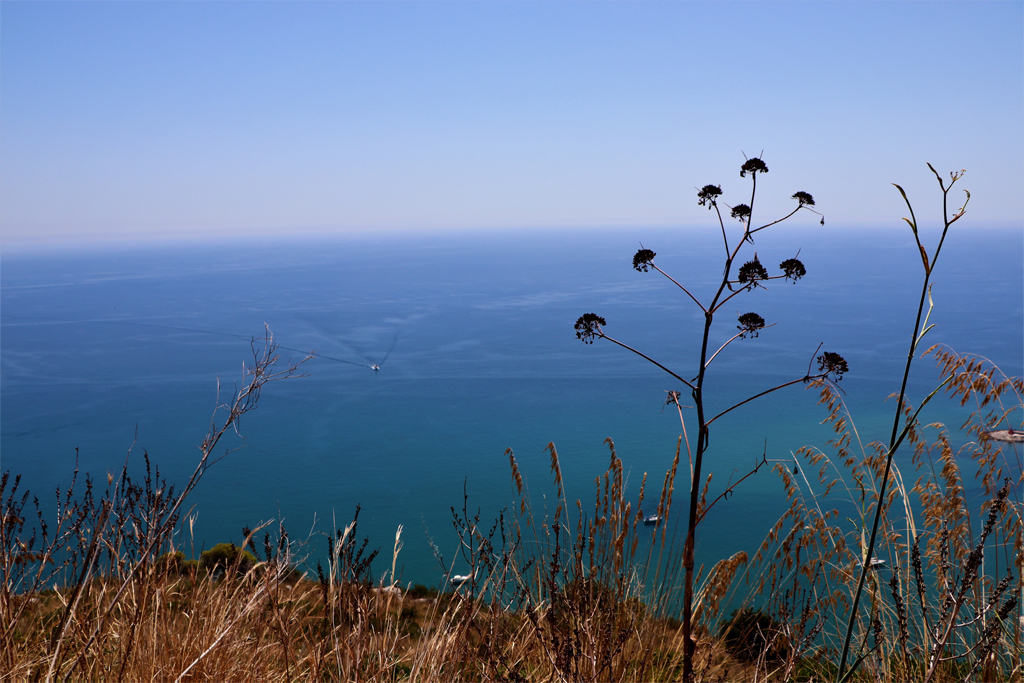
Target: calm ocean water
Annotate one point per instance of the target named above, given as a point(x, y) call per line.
point(97, 347)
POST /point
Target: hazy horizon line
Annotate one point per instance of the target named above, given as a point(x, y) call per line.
point(115, 243)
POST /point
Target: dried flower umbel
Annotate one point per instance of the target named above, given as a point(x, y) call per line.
point(752, 272)
point(708, 195)
point(833, 364)
point(741, 212)
point(793, 269)
point(804, 198)
point(642, 259)
point(588, 327)
point(753, 166)
point(750, 324)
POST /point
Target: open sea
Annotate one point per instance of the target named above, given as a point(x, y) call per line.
point(474, 338)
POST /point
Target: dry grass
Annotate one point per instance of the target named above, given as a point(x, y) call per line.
point(572, 596)
point(547, 599)
point(944, 605)
point(95, 591)
point(549, 612)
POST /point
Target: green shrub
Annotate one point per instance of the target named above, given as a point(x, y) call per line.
point(418, 590)
point(175, 564)
point(226, 557)
point(171, 561)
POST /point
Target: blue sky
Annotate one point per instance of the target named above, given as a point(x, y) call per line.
point(135, 121)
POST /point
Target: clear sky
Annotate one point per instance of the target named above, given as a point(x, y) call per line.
point(138, 120)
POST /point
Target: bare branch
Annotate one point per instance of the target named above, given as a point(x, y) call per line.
point(645, 357)
point(728, 492)
point(808, 378)
point(680, 287)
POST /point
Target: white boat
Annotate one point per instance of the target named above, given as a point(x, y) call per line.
point(1010, 435)
point(460, 579)
point(652, 519)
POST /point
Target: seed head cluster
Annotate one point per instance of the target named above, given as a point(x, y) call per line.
point(741, 212)
point(753, 166)
point(793, 269)
point(642, 259)
point(804, 198)
point(750, 324)
point(834, 364)
point(588, 327)
point(708, 195)
point(752, 272)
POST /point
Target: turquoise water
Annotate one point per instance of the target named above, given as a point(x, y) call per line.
point(480, 357)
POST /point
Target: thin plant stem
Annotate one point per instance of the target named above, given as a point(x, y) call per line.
point(768, 391)
point(676, 283)
point(647, 358)
point(914, 339)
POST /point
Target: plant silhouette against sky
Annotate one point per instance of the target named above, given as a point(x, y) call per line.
point(734, 282)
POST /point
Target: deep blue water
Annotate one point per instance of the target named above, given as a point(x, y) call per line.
point(96, 346)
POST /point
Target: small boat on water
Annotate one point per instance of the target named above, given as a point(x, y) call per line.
point(651, 520)
point(1010, 435)
point(460, 579)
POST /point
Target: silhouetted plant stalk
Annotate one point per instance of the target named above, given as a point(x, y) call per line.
point(747, 277)
point(919, 331)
